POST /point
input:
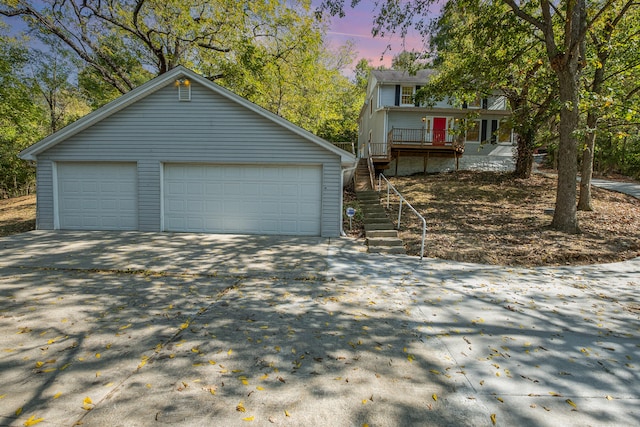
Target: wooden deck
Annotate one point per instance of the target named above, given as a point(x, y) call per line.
point(415, 143)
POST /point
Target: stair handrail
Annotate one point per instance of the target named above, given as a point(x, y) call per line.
point(403, 200)
point(371, 167)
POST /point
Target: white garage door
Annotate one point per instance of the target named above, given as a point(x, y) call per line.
point(243, 199)
point(97, 196)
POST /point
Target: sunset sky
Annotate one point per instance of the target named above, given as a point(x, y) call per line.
point(356, 26)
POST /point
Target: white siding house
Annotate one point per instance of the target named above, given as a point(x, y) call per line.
point(405, 137)
point(181, 153)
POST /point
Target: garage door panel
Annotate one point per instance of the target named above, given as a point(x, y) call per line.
point(248, 199)
point(97, 196)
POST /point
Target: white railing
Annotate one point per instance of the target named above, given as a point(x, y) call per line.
point(403, 200)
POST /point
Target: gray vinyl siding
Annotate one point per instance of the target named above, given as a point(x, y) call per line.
point(378, 134)
point(410, 120)
point(149, 195)
point(44, 184)
point(210, 129)
point(387, 95)
point(331, 180)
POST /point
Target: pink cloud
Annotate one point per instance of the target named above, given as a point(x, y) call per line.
point(356, 27)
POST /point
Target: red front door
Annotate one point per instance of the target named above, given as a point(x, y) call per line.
point(439, 130)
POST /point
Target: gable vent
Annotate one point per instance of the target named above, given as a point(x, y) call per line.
point(184, 90)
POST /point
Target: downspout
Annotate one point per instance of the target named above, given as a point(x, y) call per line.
point(342, 233)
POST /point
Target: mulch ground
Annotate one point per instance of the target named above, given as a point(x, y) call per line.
point(17, 215)
point(492, 218)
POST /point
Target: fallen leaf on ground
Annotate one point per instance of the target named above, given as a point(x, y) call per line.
point(33, 421)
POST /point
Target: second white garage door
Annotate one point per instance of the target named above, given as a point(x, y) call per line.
point(243, 199)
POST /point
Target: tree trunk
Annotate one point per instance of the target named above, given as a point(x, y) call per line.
point(565, 218)
point(524, 157)
point(584, 202)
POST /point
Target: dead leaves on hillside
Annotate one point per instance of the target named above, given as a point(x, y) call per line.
point(491, 219)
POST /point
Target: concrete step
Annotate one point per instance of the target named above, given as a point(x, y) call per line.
point(384, 241)
point(379, 226)
point(368, 199)
point(372, 210)
point(379, 220)
point(381, 233)
point(375, 214)
point(388, 250)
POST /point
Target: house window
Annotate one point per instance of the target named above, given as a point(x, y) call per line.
point(473, 130)
point(504, 132)
point(407, 95)
point(475, 103)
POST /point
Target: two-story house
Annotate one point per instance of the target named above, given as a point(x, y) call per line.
point(404, 137)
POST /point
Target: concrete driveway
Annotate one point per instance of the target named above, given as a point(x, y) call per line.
point(153, 329)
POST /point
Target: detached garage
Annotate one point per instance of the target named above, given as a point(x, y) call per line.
point(182, 154)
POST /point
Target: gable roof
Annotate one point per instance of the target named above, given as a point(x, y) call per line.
point(158, 83)
point(400, 76)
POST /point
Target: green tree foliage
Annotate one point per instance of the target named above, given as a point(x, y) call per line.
point(474, 60)
point(271, 52)
point(20, 119)
point(610, 92)
point(561, 30)
point(51, 75)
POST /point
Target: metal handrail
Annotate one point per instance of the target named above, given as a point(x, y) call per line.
point(403, 200)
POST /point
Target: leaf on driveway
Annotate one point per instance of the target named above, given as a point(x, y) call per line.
point(434, 397)
point(143, 361)
point(251, 418)
point(493, 419)
point(570, 402)
point(240, 407)
point(32, 421)
point(19, 411)
point(87, 404)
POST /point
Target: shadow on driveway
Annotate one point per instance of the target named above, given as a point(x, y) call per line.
point(140, 329)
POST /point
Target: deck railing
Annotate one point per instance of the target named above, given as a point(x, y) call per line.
point(346, 146)
point(379, 150)
point(420, 136)
point(402, 201)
